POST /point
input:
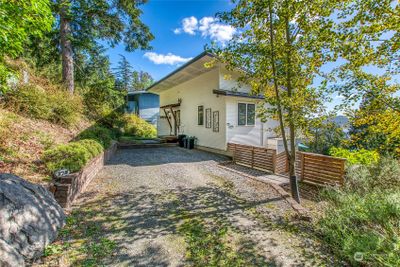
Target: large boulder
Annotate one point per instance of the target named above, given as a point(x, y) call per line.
point(30, 219)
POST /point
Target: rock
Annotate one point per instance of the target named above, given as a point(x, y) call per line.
point(9, 257)
point(30, 219)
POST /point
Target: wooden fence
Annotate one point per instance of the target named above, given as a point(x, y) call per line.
point(254, 157)
point(320, 169)
point(310, 167)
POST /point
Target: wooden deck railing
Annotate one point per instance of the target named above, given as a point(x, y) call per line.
point(310, 167)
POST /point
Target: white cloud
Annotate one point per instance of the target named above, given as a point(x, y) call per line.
point(189, 26)
point(169, 58)
point(208, 27)
point(215, 30)
point(178, 31)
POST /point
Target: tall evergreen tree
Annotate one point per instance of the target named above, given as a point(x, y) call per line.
point(123, 73)
point(82, 22)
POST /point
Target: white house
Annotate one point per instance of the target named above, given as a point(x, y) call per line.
point(203, 102)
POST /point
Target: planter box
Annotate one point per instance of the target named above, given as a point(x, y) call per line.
point(68, 188)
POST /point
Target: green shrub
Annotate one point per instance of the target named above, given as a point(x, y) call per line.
point(72, 156)
point(66, 108)
point(134, 125)
point(29, 100)
point(101, 134)
point(364, 230)
point(362, 156)
point(361, 222)
point(382, 175)
point(53, 105)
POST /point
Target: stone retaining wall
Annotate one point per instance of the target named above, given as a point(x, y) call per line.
point(67, 188)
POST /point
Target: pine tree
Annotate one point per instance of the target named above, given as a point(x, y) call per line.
point(83, 22)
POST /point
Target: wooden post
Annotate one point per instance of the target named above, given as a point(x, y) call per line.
point(175, 126)
point(273, 161)
point(302, 165)
point(234, 153)
point(252, 157)
point(342, 173)
point(169, 122)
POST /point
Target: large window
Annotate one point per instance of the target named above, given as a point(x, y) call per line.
point(246, 114)
point(200, 115)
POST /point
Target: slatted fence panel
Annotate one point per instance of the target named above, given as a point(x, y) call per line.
point(282, 165)
point(254, 157)
point(309, 167)
point(321, 169)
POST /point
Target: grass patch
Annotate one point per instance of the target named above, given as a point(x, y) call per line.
point(361, 223)
point(212, 244)
point(81, 241)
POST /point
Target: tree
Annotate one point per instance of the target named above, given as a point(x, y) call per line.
point(368, 34)
point(124, 73)
point(325, 135)
point(82, 23)
point(280, 48)
point(19, 21)
point(141, 80)
point(97, 84)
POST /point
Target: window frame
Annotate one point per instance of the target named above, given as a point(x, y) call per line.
point(246, 118)
point(200, 119)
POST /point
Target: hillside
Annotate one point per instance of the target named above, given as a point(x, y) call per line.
point(23, 140)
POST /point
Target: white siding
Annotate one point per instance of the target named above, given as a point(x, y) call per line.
point(256, 135)
point(194, 93)
point(228, 82)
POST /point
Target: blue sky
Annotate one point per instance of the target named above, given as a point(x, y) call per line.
point(175, 25)
point(181, 28)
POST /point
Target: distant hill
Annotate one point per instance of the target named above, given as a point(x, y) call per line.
point(341, 121)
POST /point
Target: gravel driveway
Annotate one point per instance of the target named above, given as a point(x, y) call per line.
point(143, 198)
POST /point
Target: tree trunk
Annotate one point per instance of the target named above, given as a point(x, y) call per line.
point(294, 187)
point(66, 47)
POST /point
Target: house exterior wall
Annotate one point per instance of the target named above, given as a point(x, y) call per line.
point(228, 82)
point(193, 93)
point(199, 92)
point(149, 107)
point(254, 135)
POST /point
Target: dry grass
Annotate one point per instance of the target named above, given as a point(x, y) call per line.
point(23, 140)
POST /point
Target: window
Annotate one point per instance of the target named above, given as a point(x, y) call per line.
point(246, 114)
point(200, 115)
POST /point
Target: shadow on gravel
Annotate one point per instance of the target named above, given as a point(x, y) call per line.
point(139, 215)
point(164, 155)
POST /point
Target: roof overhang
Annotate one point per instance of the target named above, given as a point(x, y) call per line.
point(193, 68)
point(237, 94)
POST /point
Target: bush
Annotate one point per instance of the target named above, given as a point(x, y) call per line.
point(382, 175)
point(361, 222)
point(362, 156)
point(72, 156)
point(133, 125)
point(66, 108)
point(101, 134)
point(53, 105)
point(364, 230)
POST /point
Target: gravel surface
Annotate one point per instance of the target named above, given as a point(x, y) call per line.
point(141, 193)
